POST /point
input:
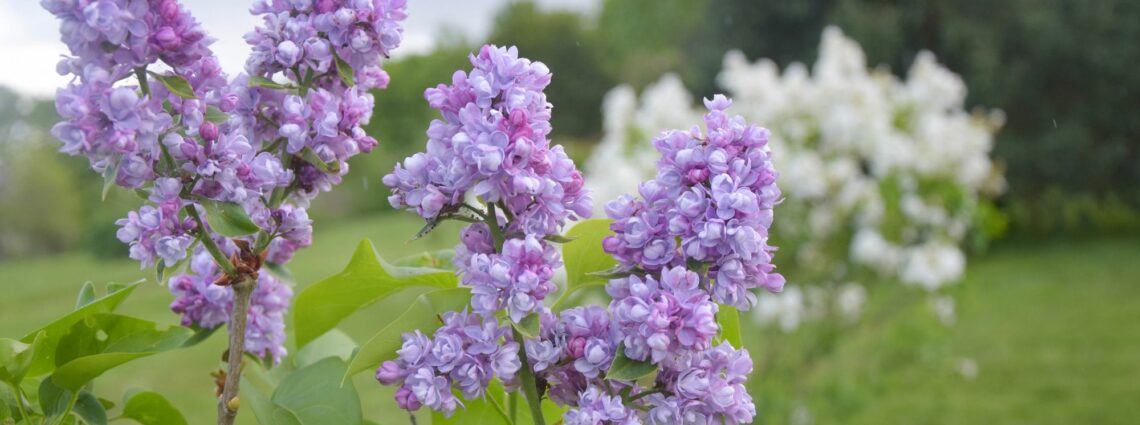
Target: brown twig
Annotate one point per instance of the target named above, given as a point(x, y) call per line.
point(228, 402)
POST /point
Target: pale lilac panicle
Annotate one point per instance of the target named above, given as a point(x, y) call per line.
point(205, 305)
point(588, 339)
point(492, 142)
point(465, 353)
point(596, 407)
point(518, 279)
point(661, 321)
point(708, 388)
point(714, 193)
point(309, 35)
point(156, 232)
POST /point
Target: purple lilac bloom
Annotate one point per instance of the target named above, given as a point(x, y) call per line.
point(707, 388)
point(711, 202)
point(517, 280)
point(663, 320)
point(492, 142)
point(465, 353)
point(216, 139)
point(595, 407)
point(205, 305)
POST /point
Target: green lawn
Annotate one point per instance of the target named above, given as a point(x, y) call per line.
point(1051, 327)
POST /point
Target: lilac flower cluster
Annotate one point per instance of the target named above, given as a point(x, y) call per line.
point(663, 321)
point(574, 347)
point(711, 203)
point(708, 388)
point(203, 304)
point(466, 353)
point(267, 142)
point(516, 280)
point(492, 143)
point(698, 237)
point(597, 407)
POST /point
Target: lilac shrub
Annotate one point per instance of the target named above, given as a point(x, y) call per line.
point(151, 109)
point(698, 236)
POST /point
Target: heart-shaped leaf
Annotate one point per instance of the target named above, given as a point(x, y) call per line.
point(314, 395)
point(366, 279)
point(583, 254)
point(44, 358)
point(104, 341)
point(151, 408)
point(626, 369)
point(176, 84)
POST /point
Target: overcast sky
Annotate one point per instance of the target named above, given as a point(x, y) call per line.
point(30, 46)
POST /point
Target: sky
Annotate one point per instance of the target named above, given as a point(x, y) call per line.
point(29, 35)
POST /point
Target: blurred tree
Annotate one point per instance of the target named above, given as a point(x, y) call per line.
point(641, 39)
point(782, 30)
point(40, 206)
point(1062, 70)
point(564, 43)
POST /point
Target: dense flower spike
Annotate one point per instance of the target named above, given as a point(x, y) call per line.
point(492, 144)
point(697, 237)
point(466, 353)
point(707, 389)
point(518, 279)
point(265, 143)
point(665, 320)
point(714, 194)
point(596, 407)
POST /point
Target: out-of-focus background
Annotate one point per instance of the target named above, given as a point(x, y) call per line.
point(962, 224)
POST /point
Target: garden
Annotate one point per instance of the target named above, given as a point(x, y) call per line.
point(574, 218)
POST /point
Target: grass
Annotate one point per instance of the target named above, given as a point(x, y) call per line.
point(1051, 328)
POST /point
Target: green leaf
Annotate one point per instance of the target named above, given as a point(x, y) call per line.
point(584, 255)
point(16, 357)
point(314, 395)
point(529, 326)
point(44, 358)
point(104, 341)
point(626, 369)
point(257, 387)
point(199, 336)
point(366, 279)
point(215, 115)
point(259, 81)
point(109, 175)
point(344, 70)
point(440, 259)
point(53, 399)
point(310, 156)
point(729, 320)
point(151, 408)
point(334, 343)
point(423, 314)
point(176, 84)
point(86, 295)
point(228, 218)
point(559, 239)
point(88, 407)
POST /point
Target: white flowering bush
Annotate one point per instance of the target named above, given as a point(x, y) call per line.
point(881, 176)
